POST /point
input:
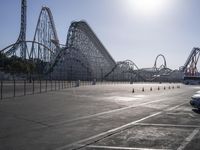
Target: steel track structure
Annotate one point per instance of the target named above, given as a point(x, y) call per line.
point(124, 71)
point(163, 65)
point(46, 34)
point(190, 67)
point(20, 44)
point(84, 57)
point(128, 70)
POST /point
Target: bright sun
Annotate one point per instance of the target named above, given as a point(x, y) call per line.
point(148, 7)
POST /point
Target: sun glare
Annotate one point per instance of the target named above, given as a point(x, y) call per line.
point(148, 7)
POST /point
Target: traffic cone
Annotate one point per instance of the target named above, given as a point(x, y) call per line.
point(143, 89)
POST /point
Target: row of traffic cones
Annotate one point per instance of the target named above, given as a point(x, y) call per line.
point(151, 89)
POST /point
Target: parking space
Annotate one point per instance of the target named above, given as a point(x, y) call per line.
point(172, 129)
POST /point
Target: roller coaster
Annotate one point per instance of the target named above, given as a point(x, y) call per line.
point(84, 57)
point(191, 74)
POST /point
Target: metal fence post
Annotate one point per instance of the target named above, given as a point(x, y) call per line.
point(59, 84)
point(24, 87)
point(46, 86)
point(51, 86)
point(14, 88)
point(55, 85)
point(1, 89)
point(33, 87)
point(40, 86)
point(67, 84)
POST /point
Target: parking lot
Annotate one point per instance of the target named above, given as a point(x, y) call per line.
point(120, 116)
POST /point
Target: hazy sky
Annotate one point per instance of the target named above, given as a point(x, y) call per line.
point(130, 29)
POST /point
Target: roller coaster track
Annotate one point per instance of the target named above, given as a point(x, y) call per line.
point(81, 28)
point(81, 38)
point(83, 45)
point(163, 65)
point(22, 35)
point(190, 67)
point(83, 55)
point(65, 54)
point(6, 49)
point(132, 68)
point(46, 34)
point(130, 65)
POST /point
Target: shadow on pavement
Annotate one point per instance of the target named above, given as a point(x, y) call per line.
point(196, 111)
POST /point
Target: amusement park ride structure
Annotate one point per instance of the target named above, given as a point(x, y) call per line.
point(84, 57)
point(20, 43)
point(191, 74)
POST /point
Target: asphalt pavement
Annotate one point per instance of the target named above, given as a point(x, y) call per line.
point(97, 117)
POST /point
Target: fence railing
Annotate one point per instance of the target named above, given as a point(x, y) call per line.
point(9, 89)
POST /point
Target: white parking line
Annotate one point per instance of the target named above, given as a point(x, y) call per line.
point(103, 135)
point(188, 139)
point(108, 133)
point(172, 108)
point(107, 112)
point(121, 148)
point(110, 111)
point(168, 125)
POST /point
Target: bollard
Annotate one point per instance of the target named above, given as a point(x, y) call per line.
point(172, 87)
point(169, 87)
point(133, 91)
point(164, 87)
point(151, 89)
point(158, 88)
point(143, 89)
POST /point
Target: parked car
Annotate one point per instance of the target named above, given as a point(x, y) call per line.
point(197, 92)
point(195, 102)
